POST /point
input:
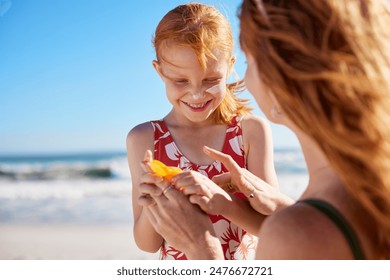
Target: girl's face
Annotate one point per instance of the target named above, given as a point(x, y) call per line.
point(194, 92)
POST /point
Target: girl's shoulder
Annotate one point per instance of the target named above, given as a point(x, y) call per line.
point(301, 232)
point(141, 133)
point(256, 130)
point(254, 123)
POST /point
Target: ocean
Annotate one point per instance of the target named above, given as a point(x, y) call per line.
point(93, 188)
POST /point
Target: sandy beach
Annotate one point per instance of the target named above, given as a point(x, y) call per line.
point(69, 242)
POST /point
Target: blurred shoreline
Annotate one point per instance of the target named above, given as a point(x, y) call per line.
point(70, 215)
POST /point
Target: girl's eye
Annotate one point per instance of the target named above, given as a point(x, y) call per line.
point(214, 80)
point(181, 82)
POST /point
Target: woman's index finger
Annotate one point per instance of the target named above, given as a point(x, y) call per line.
point(225, 159)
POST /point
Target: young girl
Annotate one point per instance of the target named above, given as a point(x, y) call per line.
point(194, 50)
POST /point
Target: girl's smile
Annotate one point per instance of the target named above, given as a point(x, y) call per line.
point(197, 107)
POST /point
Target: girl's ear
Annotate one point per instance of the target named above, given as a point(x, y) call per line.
point(231, 64)
point(156, 66)
point(232, 60)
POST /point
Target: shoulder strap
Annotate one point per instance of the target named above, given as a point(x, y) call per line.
point(333, 214)
point(161, 138)
point(236, 121)
point(233, 143)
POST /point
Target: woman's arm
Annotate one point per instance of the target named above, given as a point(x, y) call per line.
point(250, 214)
point(265, 198)
point(258, 182)
point(212, 199)
point(140, 139)
point(258, 147)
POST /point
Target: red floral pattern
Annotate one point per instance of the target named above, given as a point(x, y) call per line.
point(236, 243)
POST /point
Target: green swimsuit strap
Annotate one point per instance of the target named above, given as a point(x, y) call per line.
point(333, 214)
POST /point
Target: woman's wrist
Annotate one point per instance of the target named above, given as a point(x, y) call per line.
point(285, 201)
point(268, 205)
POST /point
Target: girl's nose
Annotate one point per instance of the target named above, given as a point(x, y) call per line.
point(198, 92)
point(198, 95)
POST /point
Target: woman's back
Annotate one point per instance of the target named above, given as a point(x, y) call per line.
point(326, 223)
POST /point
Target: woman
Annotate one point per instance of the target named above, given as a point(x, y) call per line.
point(319, 67)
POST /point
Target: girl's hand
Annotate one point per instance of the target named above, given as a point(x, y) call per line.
point(150, 184)
point(263, 197)
point(203, 192)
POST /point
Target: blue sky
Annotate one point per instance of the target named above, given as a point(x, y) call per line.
point(77, 76)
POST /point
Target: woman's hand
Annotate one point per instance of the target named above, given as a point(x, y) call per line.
point(184, 225)
point(203, 192)
point(263, 197)
point(181, 223)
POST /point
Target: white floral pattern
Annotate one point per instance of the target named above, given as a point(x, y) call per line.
point(236, 145)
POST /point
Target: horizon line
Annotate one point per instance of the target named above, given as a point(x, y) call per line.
point(91, 152)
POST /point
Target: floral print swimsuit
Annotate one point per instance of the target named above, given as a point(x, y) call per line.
point(236, 243)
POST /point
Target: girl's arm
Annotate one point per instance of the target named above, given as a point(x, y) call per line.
point(140, 139)
point(257, 140)
point(260, 162)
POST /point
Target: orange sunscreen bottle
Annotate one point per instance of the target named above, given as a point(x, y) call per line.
point(164, 171)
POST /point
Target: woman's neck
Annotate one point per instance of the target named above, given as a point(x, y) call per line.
point(322, 176)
